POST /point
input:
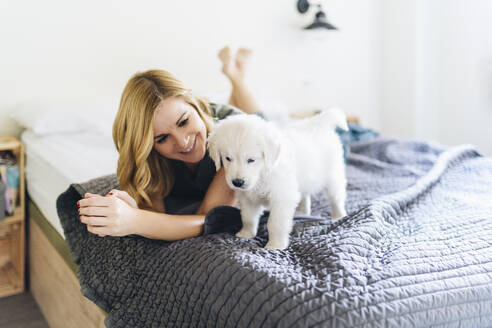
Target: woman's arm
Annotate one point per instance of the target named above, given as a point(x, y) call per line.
point(116, 215)
point(169, 227)
point(218, 193)
point(113, 216)
point(175, 227)
point(242, 98)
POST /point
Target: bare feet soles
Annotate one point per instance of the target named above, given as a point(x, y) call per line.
point(234, 67)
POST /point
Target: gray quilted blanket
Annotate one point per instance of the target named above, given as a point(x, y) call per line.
point(415, 251)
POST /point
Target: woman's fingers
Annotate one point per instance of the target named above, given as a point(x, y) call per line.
point(89, 195)
point(98, 200)
point(114, 192)
point(94, 220)
point(100, 231)
point(124, 196)
point(94, 211)
point(95, 201)
point(113, 215)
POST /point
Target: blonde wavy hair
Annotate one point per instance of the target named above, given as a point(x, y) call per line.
point(142, 172)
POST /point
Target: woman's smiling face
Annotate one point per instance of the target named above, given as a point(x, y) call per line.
point(179, 132)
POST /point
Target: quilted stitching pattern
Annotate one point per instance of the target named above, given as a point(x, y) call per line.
point(415, 251)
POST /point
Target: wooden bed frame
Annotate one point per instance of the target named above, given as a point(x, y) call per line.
point(52, 277)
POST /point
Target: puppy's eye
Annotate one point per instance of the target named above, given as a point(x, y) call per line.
point(250, 160)
point(228, 159)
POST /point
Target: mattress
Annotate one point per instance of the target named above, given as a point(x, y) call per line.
point(55, 161)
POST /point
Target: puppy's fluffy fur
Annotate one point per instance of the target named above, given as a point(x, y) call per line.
point(280, 168)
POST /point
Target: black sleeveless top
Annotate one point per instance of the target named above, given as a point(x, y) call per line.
point(189, 188)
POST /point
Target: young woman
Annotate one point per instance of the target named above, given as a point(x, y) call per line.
point(168, 181)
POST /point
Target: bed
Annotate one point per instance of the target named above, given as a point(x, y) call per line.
point(52, 163)
point(415, 250)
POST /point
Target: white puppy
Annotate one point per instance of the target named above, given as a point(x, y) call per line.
point(280, 168)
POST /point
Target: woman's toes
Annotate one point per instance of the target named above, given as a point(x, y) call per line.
point(242, 58)
point(244, 53)
point(226, 59)
point(225, 54)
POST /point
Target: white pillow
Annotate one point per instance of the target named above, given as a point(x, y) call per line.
point(63, 117)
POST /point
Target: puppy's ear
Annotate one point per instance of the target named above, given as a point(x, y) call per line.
point(213, 149)
point(272, 147)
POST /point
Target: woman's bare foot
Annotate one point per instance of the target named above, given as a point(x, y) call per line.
point(234, 68)
point(226, 59)
point(242, 60)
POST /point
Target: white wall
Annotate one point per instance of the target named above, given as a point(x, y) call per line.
point(437, 71)
point(60, 49)
point(411, 68)
point(465, 79)
point(398, 67)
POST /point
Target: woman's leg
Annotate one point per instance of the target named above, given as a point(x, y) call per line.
point(235, 69)
point(226, 59)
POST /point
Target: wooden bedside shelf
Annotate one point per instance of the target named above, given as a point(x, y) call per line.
point(12, 230)
point(10, 281)
point(17, 217)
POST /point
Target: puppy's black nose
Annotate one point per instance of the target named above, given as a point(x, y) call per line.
point(238, 182)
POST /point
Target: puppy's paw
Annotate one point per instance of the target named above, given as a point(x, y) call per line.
point(339, 214)
point(304, 207)
point(303, 211)
point(276, 245)
point(245, 233)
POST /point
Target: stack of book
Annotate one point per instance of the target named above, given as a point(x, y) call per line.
point(9, 183)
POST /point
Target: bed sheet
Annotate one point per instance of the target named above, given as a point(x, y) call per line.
point(53, 162)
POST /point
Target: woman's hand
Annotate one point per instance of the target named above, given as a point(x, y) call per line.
point(123, 195)
point(113, 215)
